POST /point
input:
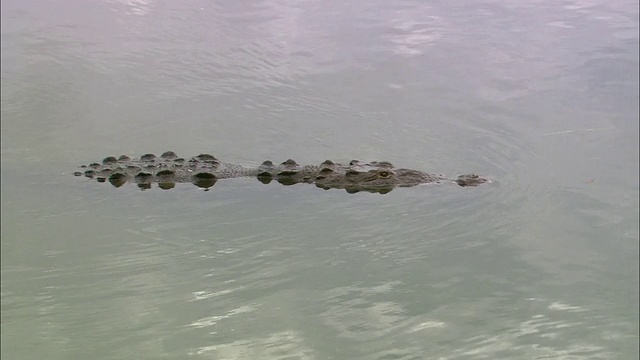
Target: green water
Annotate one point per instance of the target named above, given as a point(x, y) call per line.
point(540, 97)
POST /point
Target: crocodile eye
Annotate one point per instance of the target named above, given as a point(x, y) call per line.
point(384, 174)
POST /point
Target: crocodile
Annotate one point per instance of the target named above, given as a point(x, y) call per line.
point(205, 170)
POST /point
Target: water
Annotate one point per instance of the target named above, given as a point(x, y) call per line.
point(539, 96)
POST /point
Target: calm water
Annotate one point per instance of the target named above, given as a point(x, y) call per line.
point(540, 96)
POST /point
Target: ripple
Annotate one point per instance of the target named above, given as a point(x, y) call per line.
point(285, 344)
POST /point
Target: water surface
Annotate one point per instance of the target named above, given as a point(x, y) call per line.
point(539, 96)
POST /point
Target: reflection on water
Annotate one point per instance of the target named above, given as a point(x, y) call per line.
point(539, 97)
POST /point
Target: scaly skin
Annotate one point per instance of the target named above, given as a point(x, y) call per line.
point(204, 170)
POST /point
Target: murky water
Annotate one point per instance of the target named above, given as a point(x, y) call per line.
point(540, 96)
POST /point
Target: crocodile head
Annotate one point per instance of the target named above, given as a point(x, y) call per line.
point(379, 177)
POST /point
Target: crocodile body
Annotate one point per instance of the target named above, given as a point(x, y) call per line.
point(205, 170)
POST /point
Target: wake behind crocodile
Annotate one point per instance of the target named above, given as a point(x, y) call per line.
point(205, 170)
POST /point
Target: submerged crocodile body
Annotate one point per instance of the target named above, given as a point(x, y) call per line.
point(205, 170)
